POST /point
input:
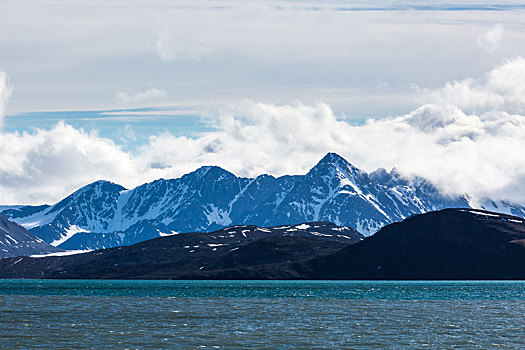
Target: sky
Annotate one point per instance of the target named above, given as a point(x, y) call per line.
point(132, 91)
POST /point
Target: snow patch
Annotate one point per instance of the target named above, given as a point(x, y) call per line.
point(66, 253)
point(320, 234)
point(37, 219)
point(70, 232)
point(11, 238)
point(164, 234)
point(483, 214)
point(216, 215)
point(303, 227)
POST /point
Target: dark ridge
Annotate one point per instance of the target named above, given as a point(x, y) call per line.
point(188, 255)
point(450, 244)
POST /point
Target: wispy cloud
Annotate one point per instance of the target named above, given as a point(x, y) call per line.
point(179, 46)
point(433, 6)
point(127, 134)
point(6, 90)
point(157, 112)
point(491, 39)
point(141, 96)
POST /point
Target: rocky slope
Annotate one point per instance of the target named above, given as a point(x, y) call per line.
point(16, 240)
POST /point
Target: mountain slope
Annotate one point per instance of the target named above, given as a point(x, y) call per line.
point(448, 244)
point(104, 214)
point(186, 254)
point(16, 240)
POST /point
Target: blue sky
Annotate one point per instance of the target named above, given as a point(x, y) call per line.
point(130, 91)
point(128, 127)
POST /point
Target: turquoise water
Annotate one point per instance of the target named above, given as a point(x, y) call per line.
point(388, 290)
point(261, 314)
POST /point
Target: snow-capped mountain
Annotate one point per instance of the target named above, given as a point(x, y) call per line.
point(104, 214)
point(16, 241)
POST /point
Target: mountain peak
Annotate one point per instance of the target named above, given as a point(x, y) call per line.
point(331, 160)
point(100, 186)
point(94, 191)
point(208, 173)
point(332, 157)
point(105, 184)
point(210, 170)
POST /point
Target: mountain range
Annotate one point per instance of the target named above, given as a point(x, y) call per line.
point(463, 244)
point(104, 214)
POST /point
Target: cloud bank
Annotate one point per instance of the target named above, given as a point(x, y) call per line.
point(468, 138)
point(278, 51)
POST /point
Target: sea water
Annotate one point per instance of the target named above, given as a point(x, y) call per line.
point(261, 314)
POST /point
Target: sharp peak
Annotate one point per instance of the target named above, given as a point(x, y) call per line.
point(101, 183)
point(203, 170)
point(331, 156)
point(336, 160)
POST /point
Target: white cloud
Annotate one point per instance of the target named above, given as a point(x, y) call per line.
point(254, 138)
point(503, 89)
point(491, 39)
point(141, 96)
point(478, 154)
point(47, 164)
point(469, 139)
point(179, 46)
point(6, 90)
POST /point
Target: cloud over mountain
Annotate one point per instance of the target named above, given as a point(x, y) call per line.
point(467, 138)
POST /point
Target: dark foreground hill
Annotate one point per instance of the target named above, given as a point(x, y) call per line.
point(235, 249)
point(16, 240)
point(448, 244)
